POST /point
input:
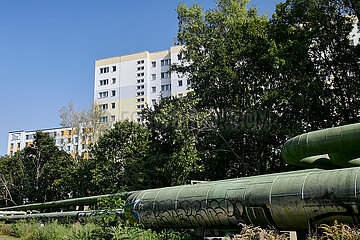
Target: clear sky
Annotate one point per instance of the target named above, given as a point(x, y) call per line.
point(48, 50)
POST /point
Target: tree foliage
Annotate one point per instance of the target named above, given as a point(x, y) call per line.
point(38, 173)
point(118, 158)
point(175, 126)
point(266, 80)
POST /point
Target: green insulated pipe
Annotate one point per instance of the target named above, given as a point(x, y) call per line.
point(285, 201)
point(329, 148)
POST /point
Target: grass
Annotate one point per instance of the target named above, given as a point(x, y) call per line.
point(54, 230)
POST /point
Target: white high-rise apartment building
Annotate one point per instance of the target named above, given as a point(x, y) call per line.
point(125, 84)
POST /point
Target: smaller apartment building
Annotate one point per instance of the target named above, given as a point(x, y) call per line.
point(65, 139)
point(124, 85)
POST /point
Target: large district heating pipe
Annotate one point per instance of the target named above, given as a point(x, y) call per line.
point(328, 148)
point(286, 201)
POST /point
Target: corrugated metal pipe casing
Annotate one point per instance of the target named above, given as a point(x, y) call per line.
point(329, 148)
point(287, 201)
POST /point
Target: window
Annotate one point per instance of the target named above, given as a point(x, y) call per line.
point(113, 81)
point(104, 106)
point(140, 62)
point(140, 106)
point(140, 100)
point(104, 119)
point(113, 118)
point(76, 147)
point(180, 83)
point(69, 132)
point(153, 64)
point(140, 68)
point(76, 139)
point(153, 76)
point(165, 75)
point(166, 87)
point(188, 82)
point(104, 70)
point(15, 137)
point(113, 105)
point(113, 92)
point(114, 68)
point(18, 145)
point(83, 146)
point(69, 140)
point(12, 145)
point(140, 80)
point(52, 134)
point(11, 153)
point(140, 93)
point(140, 74)
point(165, 62)
point(140, 87)
point(138, 113)
point(29, 136)
point(153, 101)
point(103, 94)
point(179, 56)
point(68, 148)
point(153, 89)
point(62, 133)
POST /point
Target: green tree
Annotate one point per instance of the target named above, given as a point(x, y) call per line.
point(118, 157)
point(320, 67)
point(265, 81)
point(38, 173)
point(175, 125)
point(7, 189)
point(228, 63)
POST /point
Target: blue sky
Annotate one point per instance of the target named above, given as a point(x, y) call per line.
point(48, 50)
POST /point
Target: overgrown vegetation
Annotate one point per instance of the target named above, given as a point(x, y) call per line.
point(256, 82)
point(31, 230)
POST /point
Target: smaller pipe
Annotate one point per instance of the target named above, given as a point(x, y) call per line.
point(59, 215)
point(65, 203)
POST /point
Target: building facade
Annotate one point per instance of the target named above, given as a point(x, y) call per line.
point(65, 139)
point(124, 85)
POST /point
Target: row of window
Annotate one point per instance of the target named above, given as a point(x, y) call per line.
point(104, 82)
point(105, 94)
point(106, 106)
point(12, 145)
point(164, 62)
point(107, 69)
point(105, 118)
point(166, 87)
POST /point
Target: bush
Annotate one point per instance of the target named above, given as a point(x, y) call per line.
point(255, 233)
point(337, 231)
